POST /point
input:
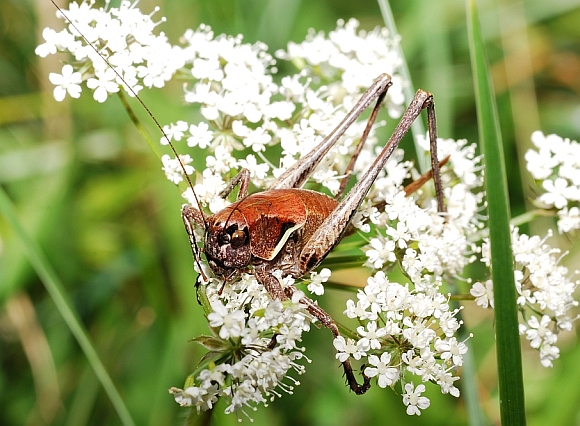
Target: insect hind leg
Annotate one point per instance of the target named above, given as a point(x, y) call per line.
point(334, 226)
point(360, 145)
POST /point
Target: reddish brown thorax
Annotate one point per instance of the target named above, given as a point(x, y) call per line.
point(259, 226)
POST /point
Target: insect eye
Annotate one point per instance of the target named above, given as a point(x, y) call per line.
point(238, 239)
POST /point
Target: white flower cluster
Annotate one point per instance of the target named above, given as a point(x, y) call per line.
point(424, 325)
point(233, 84)
point(404, 331)
point(245, 109)
point(349, 61)
point(253, 347)
point(545, 291)
point(556, 166)
point(415, 234)
point(124, 37)
point(410, 328)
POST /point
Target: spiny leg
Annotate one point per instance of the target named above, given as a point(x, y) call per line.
point(274, 288)
point(191, 215)
point(419, 182)
point(361, 142)
point(300, 171)
point(329, 323)
point(242, 178)
point(332, 229)
point(432, 126)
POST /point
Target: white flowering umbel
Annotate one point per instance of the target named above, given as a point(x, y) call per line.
point(254, 344)
point(545, 287)
point(408, 329)
point(124, 36)
point(556, 167)
point(545, 292)
point(348, 62)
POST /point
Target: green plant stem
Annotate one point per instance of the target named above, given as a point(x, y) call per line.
point(531, 215)
point(516, 221)
point(144, 133)
point(140, 128)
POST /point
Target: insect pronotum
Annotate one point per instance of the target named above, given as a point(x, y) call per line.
point(290, 229)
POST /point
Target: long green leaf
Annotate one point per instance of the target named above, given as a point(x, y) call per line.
point(63, 304)
point(511, 389)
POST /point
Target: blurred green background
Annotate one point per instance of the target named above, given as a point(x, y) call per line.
point(91, 193)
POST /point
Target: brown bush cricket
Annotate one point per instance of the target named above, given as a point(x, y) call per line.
point(292, 229)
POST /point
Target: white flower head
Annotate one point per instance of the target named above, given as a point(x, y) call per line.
point(556, 167)
point(413, 400)
point(543, 285)
point(174, 168)
point(66, 82)
point(103, 85)
point(386, 374)
point(123, 35)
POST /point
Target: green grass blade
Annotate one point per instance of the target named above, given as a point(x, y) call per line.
point(511, 390)
point(64, 306)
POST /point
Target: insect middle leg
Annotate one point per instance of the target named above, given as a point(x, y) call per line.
point(242, 178)
point(274, 288)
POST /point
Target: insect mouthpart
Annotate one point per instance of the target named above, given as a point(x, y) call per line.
point(227, 247)
point(223, 273)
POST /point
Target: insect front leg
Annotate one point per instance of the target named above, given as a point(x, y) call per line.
point(190, 216)
point(274, 288)
point(242, 178)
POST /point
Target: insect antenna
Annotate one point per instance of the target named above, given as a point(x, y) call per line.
point(145, 107)
point(134, 93)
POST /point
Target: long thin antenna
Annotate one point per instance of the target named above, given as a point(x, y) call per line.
point(134, 93)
